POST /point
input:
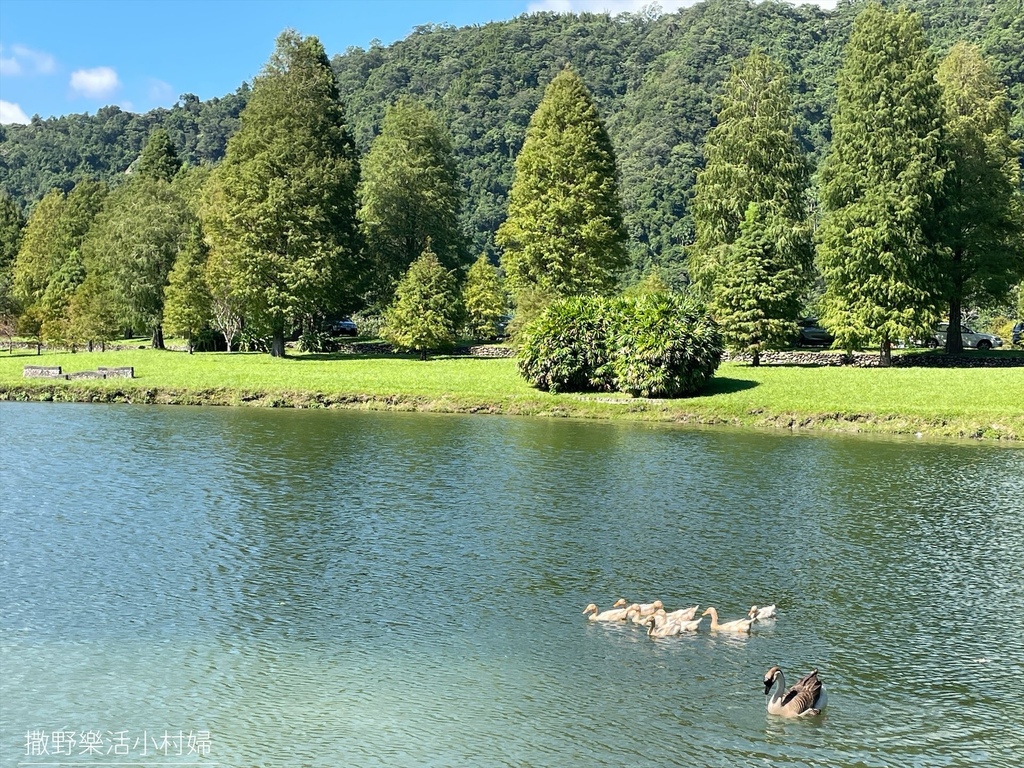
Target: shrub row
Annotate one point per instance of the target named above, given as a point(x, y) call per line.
point(653, 345)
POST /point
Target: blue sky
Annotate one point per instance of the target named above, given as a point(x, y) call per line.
point(70, 56)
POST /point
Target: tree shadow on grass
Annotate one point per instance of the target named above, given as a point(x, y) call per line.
point(725, 385)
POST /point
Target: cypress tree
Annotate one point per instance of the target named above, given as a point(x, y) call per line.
point(880, 182)
point(159, 158)
point(187, 305)
point(425, 313)
point(981, 210)
point(409, 194)
point(483, 298)
point(753, 252)
point(564, 234)
point(281, 208)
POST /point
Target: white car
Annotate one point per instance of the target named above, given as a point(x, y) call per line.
point(970, 338)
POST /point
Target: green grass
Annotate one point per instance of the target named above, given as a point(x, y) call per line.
point(952, 402)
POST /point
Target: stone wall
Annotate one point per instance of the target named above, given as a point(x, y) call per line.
point(871, 359)
point(54, 372)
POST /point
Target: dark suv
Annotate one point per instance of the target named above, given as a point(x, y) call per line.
point(810, 334)
point(343, 328)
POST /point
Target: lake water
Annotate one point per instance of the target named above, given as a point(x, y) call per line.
point(321, 588)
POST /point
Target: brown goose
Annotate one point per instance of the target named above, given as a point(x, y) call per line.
point(805, 698)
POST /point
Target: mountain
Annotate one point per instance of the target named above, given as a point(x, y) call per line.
point(654, 78)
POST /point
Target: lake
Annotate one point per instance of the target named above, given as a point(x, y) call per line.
point(325, 588)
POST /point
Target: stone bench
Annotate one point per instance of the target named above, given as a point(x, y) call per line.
point(42, 372)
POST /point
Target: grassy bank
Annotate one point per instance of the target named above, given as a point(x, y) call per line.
point(949, 402)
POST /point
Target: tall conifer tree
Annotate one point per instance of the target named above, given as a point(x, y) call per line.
point(425, 312)
point(282, 206)
point(410, 195)
point(880, 182)
point(564, 234)
point(753, 253)
point(981, 210)
point(159, 158)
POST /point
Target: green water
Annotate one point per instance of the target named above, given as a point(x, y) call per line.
point(358, 589)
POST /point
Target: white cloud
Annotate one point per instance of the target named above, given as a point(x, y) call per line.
point(97, 83)
point(25, 61)
point(615, 7)
point(12, 113)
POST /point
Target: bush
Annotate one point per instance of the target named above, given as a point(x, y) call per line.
point(317, 342)
point(667, 346)
point(565, 349)
point(653, 345)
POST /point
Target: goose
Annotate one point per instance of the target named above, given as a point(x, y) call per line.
point(683, 614)
point(761, 614)
point(616, 613)
point(807, 697)
point(640, 611)
point(740, 625)
point(670, 628)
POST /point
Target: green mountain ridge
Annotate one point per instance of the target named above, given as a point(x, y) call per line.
point(654, 79)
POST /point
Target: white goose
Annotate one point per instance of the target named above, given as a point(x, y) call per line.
point(764, 613)
point(739, 625)
point(615, 613)
point(805, 698)
point(683, 614)
point(640, 611)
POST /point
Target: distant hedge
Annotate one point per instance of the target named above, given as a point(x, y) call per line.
point(654, 345)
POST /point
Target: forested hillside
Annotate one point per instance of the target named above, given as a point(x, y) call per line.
point(654, 79)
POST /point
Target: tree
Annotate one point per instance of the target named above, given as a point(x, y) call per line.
point(753, 252)
point(425, 313)
point(187, 304)
point(93, 312)
point(12, 224)
point(50, 253)
point(981, 210)
point(564, 233)
point(281, 209)
point(133, 245)
point(879, 183)
point(409, 194)
point(753, 297)
point(484, 299)
point(159, 159)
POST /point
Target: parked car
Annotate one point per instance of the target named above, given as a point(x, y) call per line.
point(970, 338)
point(810, 334)
point(344, 327)
point(1018, 333)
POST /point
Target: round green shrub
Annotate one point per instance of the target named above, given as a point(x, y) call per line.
point(664, 346)
point(566, 348)
point(652, 345)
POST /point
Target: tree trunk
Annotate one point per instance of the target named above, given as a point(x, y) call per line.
point(190, 346)
point(277, 345)
point(158, 337)
point(755, 359)
point(954, 335)
point(885, 358)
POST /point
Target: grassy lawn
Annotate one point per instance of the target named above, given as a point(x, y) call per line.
point(954, 402)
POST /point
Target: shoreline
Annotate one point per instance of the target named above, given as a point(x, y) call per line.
point(596, 407)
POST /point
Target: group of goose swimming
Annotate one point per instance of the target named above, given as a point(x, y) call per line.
point(806, 697)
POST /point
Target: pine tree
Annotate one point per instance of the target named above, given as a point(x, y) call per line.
point(425, 313)
point(484, 299)
point(159, 159)
point(187, 304)
point(409, 194)
point(981, 209)
point(564, 234)
point(755, 176)
point(879, 184)
point(281, 208)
